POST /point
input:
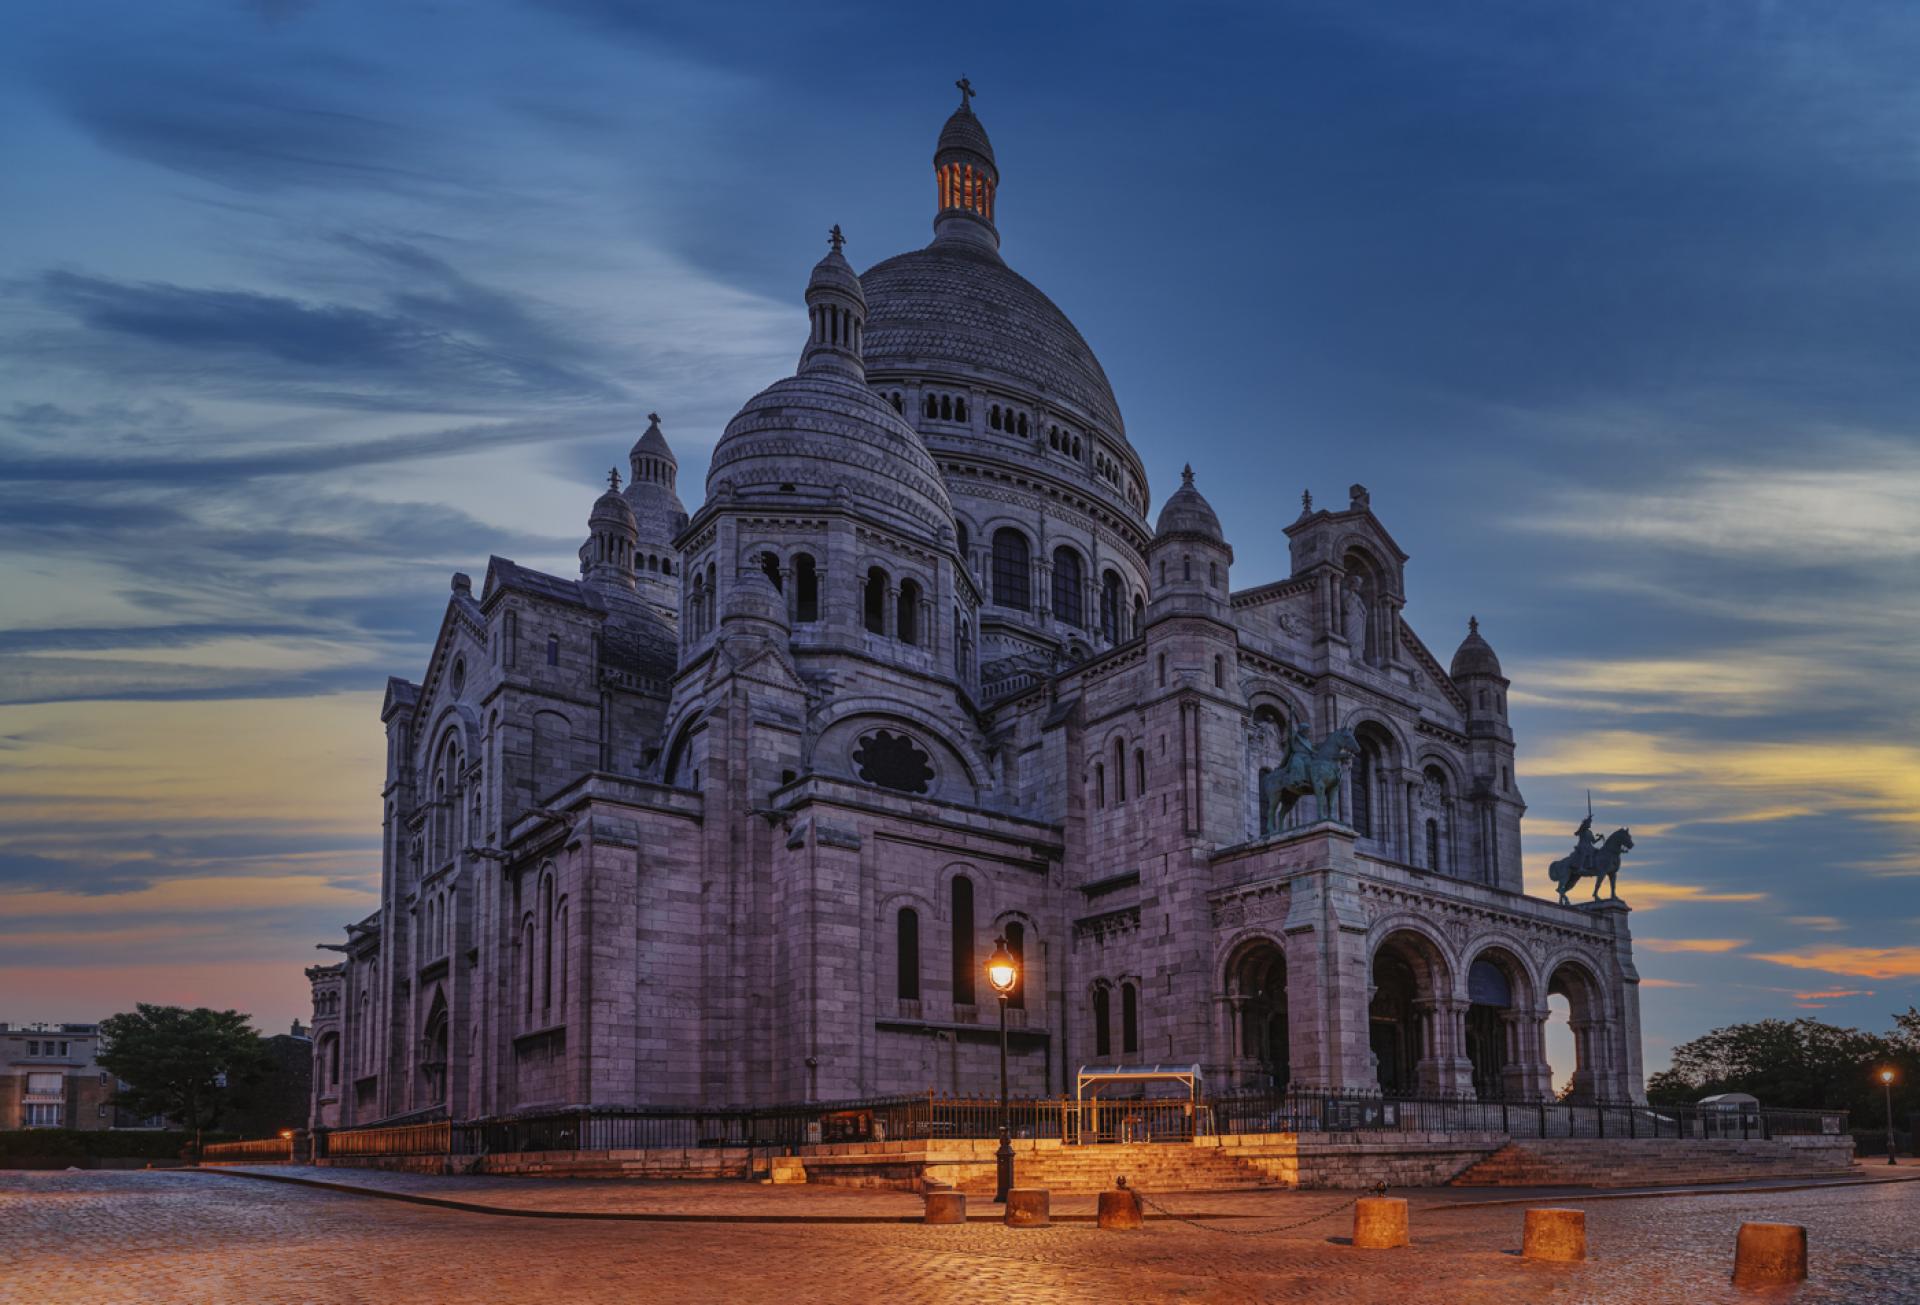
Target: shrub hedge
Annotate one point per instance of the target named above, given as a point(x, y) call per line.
point(120, 1144)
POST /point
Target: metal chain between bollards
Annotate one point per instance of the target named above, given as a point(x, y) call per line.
point(1144, 1199)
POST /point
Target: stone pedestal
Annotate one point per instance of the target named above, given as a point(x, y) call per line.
point(1555, 1234)
point(1120, 1211)
point(1770, 1255)
point(1379, 1222)
point(1028, 1207)
point(946, 1207)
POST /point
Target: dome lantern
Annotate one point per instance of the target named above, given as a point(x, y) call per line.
point(837, 308)
point(608, 555)
point(967, 181)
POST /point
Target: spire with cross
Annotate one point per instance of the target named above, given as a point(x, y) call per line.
point(835, 239)
point(966, 94)
point(613, 479)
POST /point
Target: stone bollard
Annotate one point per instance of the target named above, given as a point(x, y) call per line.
point(1770, 1255)
point(1379, 1222)
point(1553, 1234)
point(1027, 1207)
point(1120, 1210)
point(946, 1207)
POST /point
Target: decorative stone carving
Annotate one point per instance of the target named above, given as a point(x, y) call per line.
point(893, 761)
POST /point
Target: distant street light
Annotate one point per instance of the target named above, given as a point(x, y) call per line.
point(1003, 972)
point(1886, 1081)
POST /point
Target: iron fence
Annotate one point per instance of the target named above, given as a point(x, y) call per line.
point(263, 1148)
point(931, 1117)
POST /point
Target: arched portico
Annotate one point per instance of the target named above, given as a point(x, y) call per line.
point(1504, 1027)
point(1415, 1027)
point(1591, 1019)
point(1257, 1036)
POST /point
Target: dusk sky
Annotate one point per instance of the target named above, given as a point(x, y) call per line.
point(1613, 308)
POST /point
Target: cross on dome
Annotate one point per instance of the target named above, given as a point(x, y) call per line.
point(835, 239)
point(966, 92)
point(1186, 474)
point(613, 478)
point(1473, 625)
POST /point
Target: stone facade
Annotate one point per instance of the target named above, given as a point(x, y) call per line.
point(49, 1078)
point(736, 816)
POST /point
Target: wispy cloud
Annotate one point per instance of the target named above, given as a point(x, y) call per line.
point(1707, 945)
point(1858, 962)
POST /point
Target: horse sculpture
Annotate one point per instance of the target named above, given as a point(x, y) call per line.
point(1602, 862)
point(1316, 772)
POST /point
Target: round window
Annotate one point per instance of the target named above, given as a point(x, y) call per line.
point(893, 761)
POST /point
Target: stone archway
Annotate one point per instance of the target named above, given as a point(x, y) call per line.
point(1501, 1027)
point(1411, 1018)
point(1260, 1036)
point(1590, 1027)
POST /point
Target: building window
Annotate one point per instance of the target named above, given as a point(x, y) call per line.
point(770, 563)
point(1102, 1024)
point(1139, 771)
point(1219, 672)
point(907, 954)
point(908, 618)
point(1110, 606)
point(962, 941)
point(1069, 582)
point(1129, 1019)
point(553, 650)
point(963, 539)
point(1011, 570)
point(1363, 791)
point(1119, 770)
point(1433, 844)
point(876, 601)
point(1099, 785)
point(806, 588)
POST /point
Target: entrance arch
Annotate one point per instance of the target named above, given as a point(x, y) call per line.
point(1409, 1016)
point(1498, 1032)
point(1260, 1047)
point(1590, 1027)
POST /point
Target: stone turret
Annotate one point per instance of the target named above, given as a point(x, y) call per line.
point(967, 178)
point(659, 517)
point(607, 556)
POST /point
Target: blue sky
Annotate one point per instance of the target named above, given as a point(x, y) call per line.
point(1613, 308)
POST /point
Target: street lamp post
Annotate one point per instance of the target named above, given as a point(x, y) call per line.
point(1003, 972)
point(1886, 1081)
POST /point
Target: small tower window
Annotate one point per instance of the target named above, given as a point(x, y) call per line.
point(553, 650)
point(806, 588)
point(770, 563)
point(908, 617)
point(876, 601)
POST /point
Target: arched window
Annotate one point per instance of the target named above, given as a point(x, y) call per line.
point(933, 406)
point(1099, 785)
point(908, 618)
point(1110, 606)
point(806, 588)
point(1363, 790)
point(959, 409)
point(1023, 423)
point(1219, 672)
point(560, 941)
point(946, 407)
point(527, 947)
point(1139, 771)
point(1139, 614)
point(1119, 770)
point(964, 540)
point(1102, 1022)
point(906, 953)
point(770, 563)
point(1433, 844)
point(666, 566)
point(876, 601)
point(1016, 936)
point(993, 416)
point(1012, 570)
point(962, 941)
point(1069, 582)
point(546, 953)
point(553, 650)
point(1129, 1019)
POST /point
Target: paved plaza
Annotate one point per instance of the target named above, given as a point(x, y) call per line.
point(206, 1237)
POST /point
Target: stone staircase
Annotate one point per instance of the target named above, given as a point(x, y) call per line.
point(1151, 1166)
point(1625, 1162)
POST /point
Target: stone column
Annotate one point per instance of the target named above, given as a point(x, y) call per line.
point(890, 612)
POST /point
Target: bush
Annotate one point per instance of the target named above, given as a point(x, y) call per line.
point(75, 1143)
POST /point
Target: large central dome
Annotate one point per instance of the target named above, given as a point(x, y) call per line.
point(955, 307)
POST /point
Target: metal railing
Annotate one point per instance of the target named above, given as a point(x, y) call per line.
point(261, 1148)
point(931, 1117)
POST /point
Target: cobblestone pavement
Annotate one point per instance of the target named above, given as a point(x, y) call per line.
point(182, 1236)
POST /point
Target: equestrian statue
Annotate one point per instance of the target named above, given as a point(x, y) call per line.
point(1308, 768)
point(1592, 859)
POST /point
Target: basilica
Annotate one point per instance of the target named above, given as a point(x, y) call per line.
point(735, 815)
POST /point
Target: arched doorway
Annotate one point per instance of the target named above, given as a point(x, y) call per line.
point(433, 1054)
point(1496, 1034)
point(1257, 1001)
point(1588, 1026)
point(1405, 1031)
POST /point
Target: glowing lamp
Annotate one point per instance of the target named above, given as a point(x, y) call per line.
point(1002, 971)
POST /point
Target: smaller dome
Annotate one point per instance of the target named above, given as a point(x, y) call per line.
point(1475, 655)
point(610, 509)
point(1187, 512)
point(834, 273)
point(653, 444)
point(964, 132)
point(753, 598)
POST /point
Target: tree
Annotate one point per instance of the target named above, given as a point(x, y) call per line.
point(184, 1064)
point(1801, 1063)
